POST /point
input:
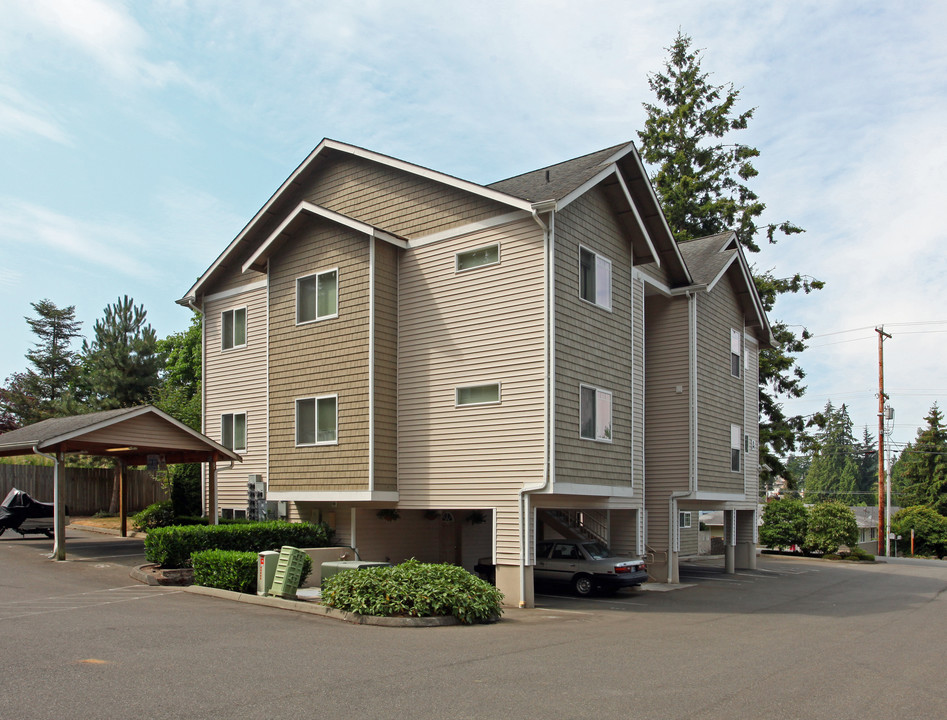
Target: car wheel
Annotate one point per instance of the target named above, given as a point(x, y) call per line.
point(582, 585)
point(3, 529)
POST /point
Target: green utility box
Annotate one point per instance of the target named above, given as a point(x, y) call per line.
point(289, 570)
point(334, 568)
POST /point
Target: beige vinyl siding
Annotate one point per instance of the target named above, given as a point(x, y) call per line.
point(751, 425)
point(399, 202)
point(320, 358)
point(145, 432)
point(386, 367)
point(689, 535)
point(593, 345)
point(654, 271)
point(667, 423)
point(235, 382)
point(480, 326)
point(720, 400)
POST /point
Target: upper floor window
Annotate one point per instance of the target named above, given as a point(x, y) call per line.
point(233, 328)
point(736, 352)
point(736, 441)
point(470, 259)
point(317, 420)
point(478, 394)
point(595, 278)
point(595, 414)
point(317, 296)
point(233, 431)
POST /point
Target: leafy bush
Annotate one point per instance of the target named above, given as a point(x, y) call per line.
point(225, 569)
point(784, 523)
point(171, 547)
point(232, 569)
point(185, 479)
point(856, 553)
point(930, 529)
point(159, 514)
point(414, 589)
point(831, 524)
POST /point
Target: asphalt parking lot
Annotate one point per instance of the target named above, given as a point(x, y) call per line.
point(797, 638)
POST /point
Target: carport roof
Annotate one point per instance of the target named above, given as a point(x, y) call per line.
point(130, 434)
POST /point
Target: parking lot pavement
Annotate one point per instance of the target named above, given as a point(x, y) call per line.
point(84, 546)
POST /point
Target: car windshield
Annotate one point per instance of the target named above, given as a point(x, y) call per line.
point(596, 551)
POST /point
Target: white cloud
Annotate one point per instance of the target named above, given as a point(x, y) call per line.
point(21, 116)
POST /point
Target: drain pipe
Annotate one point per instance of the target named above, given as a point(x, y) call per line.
point(549, 419)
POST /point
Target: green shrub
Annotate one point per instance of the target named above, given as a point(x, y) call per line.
point(225, 569)
point(157, 515)
point(414, 589)
point(171, 547)
point(930, 530)
point(831, 524)
point(857, 553)
point(185, 482)
point(232, 569)
point(784, 523)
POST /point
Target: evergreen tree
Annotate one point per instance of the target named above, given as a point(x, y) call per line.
point(834, 471)
point(920, 475)
point(701, 182)
point(41, 391)
point(121, 363)
point(867, 458)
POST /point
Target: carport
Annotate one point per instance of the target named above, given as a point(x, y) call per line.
point(142, 435)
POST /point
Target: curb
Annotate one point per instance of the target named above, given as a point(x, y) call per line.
point(315, 609)
point(106, 531)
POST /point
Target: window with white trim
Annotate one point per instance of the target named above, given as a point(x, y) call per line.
point(488, 394)
point(595, 278)
point(233, 431)
point(736, 352)
point(736, 440)
point(478, 257)
point(317, 420)
point(233, 328)
point(595, 414)
point(317, 297)
point(684, 519)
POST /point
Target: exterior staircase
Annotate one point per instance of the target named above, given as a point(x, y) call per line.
point(576, 524)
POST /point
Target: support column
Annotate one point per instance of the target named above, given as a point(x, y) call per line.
point(729, 535)
point(59, 505)
point(212, 489)
point(122, 497)
point(508, 583)
point(746, 530)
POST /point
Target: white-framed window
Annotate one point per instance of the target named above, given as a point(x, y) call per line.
point(595, 414)
point(487, 394)
point(233, 431)
point(478, 257)
point(317, 420)
point(684, 519)
point(233, 328)
point(595, 278)
point(736, 440)
point(317, 296)
point(736, 352)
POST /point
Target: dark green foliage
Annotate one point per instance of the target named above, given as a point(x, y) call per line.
point(185, 480)
point(171, 547)
point(179, 393)
point(920, 475)
point(225, 569)
point(121, 364)
point(701, 182)
point(156, 515)
point(784, 523)
point(837, 461)
point(831, 525)
point(856, 553)
point(414, 589)
point(930, 530)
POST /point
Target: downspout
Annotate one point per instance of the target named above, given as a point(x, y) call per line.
point(692, 371)
point(549, 419)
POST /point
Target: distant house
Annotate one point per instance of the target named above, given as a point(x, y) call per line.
point(448, 370)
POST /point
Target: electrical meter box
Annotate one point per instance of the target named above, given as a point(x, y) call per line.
point(266, 571)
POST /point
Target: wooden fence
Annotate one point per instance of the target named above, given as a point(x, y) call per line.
point(88, 490)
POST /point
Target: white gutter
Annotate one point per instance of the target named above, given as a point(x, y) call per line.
point(550, 391)
point(692, 371)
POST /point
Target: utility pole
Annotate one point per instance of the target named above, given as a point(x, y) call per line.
point(882, 529)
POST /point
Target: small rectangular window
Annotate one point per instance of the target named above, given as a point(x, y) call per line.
point(233, 328)
point(233, 431)
point(469, 259)
point(317, 297)
point(595, 414)
point(317, 420)
point(684, 519)
point(736, 352)
point(478, 394)
point(736, 433)
point(595, 278)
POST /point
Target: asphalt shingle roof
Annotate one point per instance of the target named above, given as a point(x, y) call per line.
point(39, 433)
point(705, 257)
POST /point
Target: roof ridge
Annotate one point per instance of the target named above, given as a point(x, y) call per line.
point(561, 162)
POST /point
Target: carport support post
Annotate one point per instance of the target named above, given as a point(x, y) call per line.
point(59, 504)
point(212, 489)
point(122, 504)
point(730, 539)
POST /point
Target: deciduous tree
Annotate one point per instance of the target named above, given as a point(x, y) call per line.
point(784, 523)
point(831, 525)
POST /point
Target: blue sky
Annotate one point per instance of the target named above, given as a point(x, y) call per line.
point(138, 138)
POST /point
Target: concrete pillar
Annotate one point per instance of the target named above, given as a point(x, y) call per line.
point(746, 539)
point(729, 540)
point(59, 507)
point(508, 583)
point(729, 565)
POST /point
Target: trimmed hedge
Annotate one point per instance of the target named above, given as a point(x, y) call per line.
point(415, 589)
point(232, 569)
point(171, 547)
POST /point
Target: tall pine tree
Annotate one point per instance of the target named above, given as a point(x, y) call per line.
point(920, 474)
point(701, 182)
point(835, 468)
